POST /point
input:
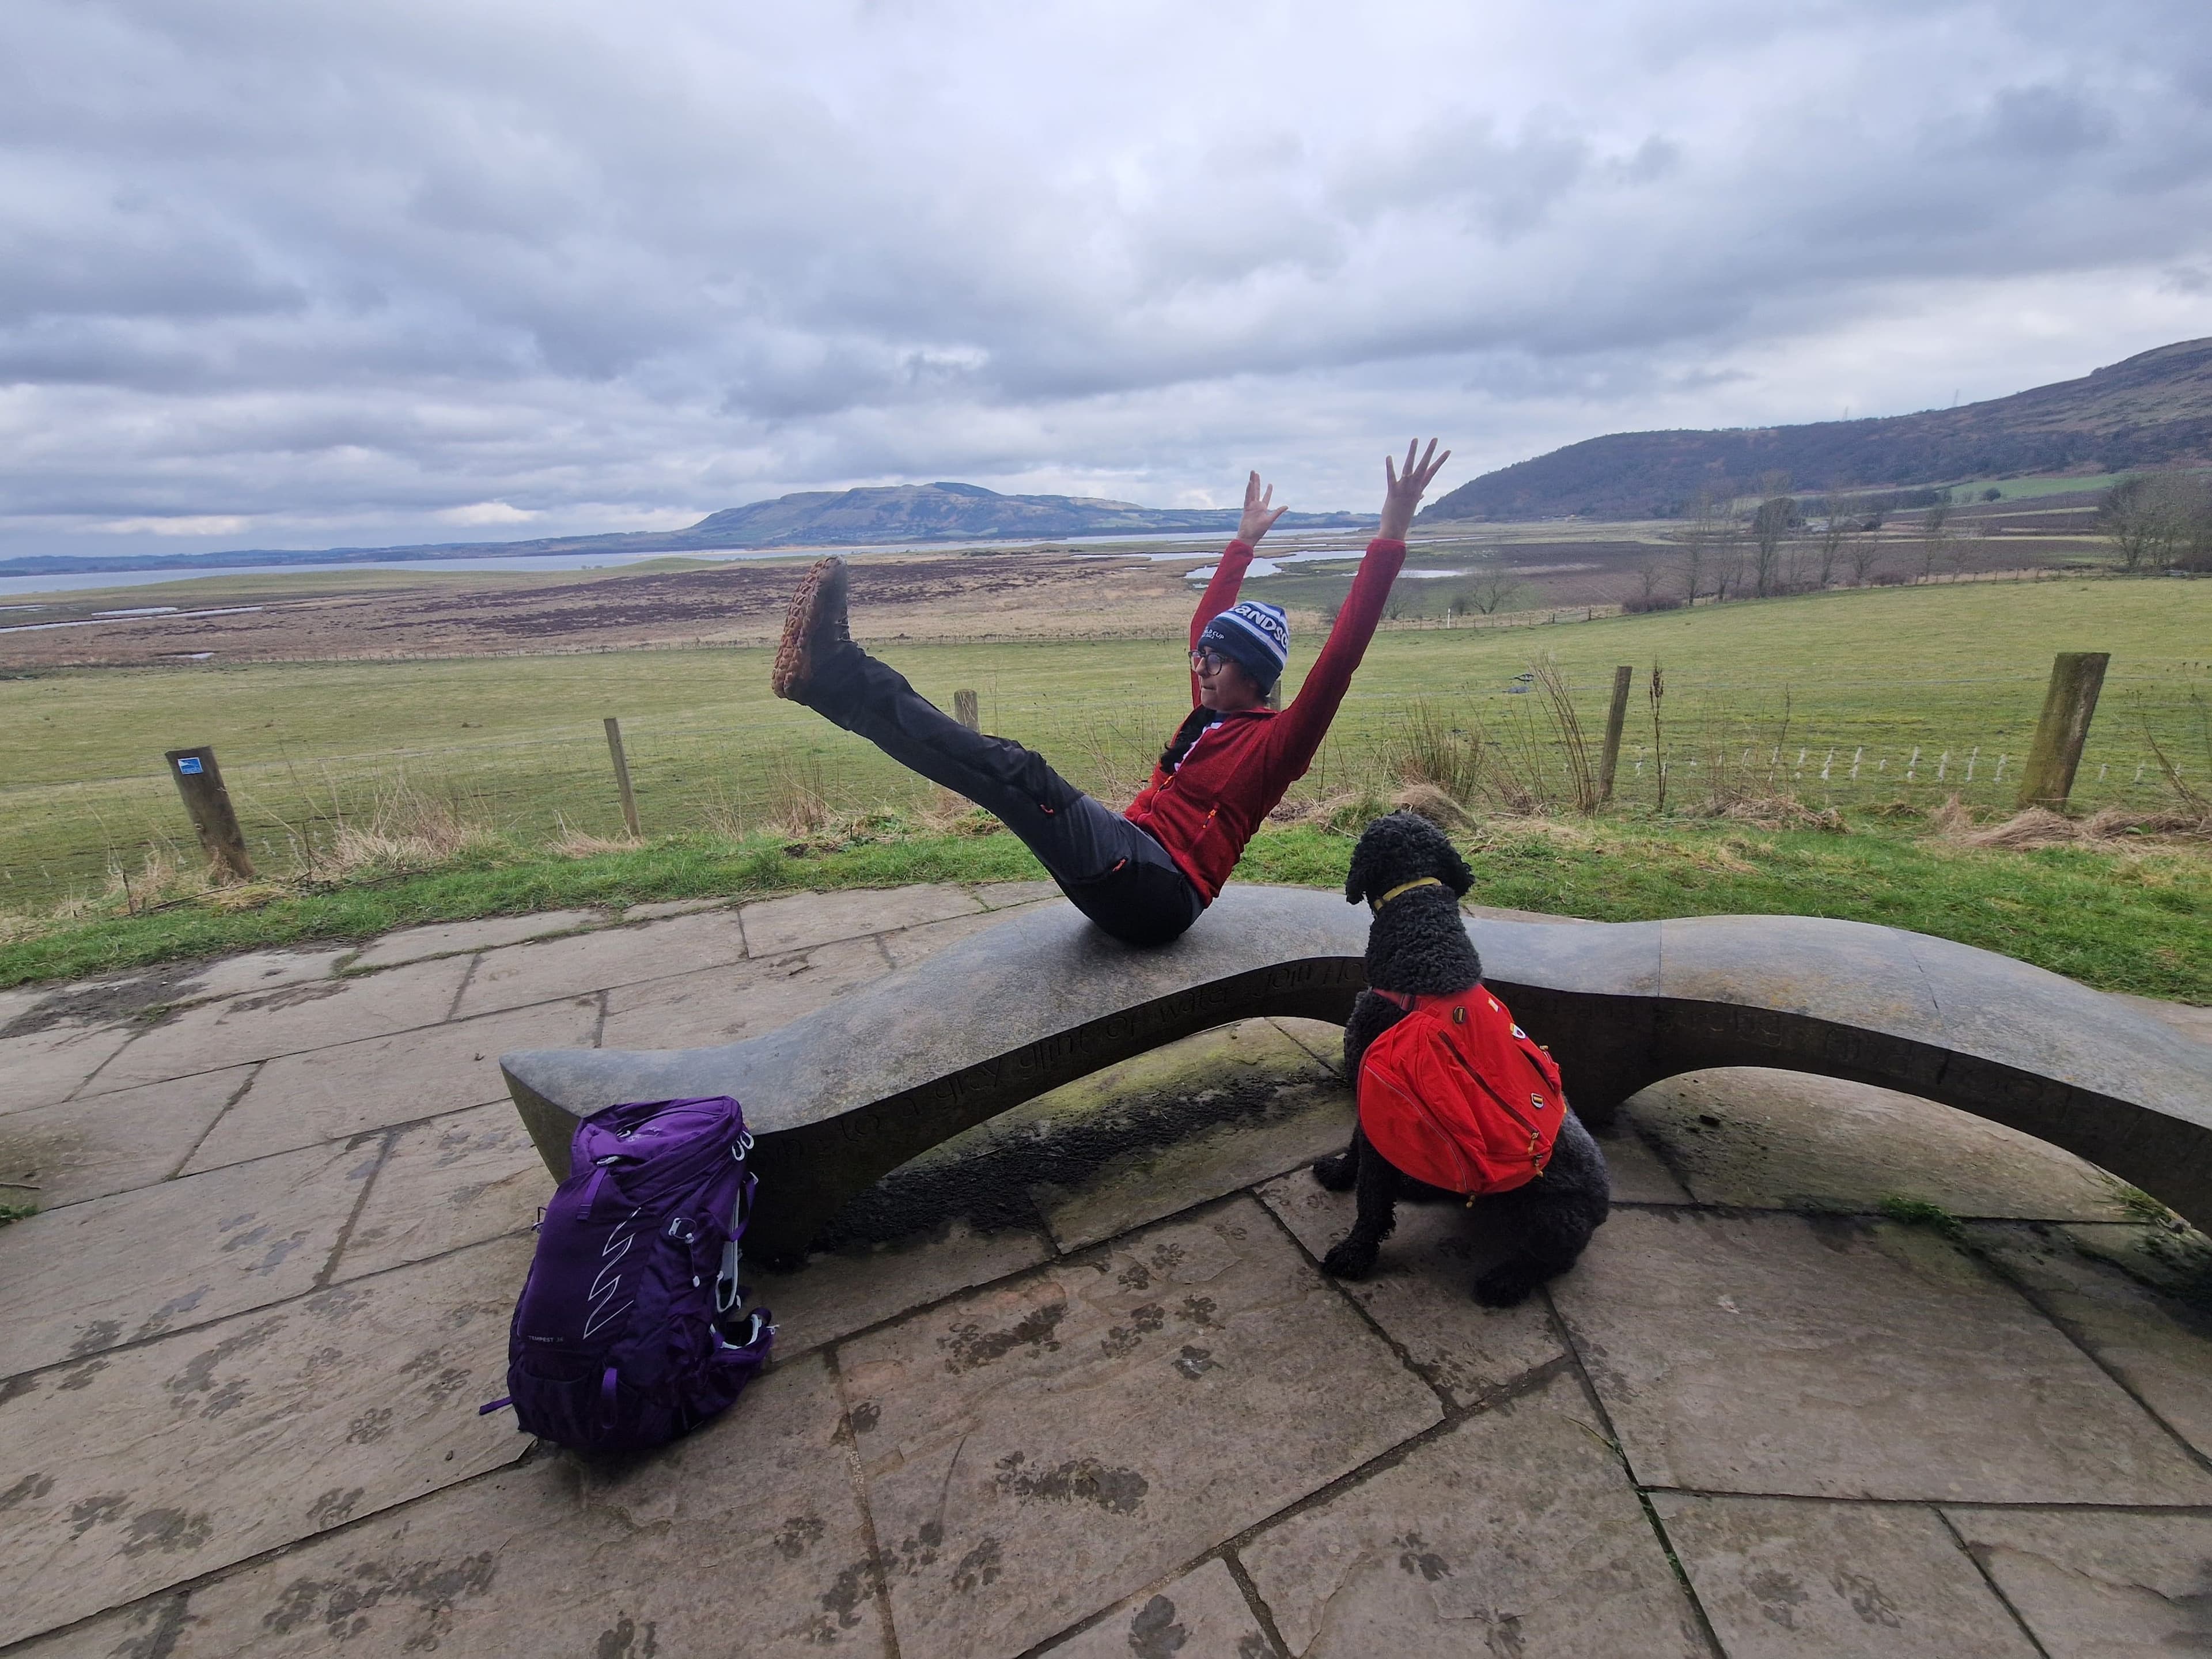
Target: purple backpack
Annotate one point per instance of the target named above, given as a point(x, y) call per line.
point(628, 1331)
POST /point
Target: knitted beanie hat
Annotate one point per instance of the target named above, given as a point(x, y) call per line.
point(1254, 635)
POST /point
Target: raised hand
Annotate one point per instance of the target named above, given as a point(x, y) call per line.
point(1404, 490)
point(1258, 520)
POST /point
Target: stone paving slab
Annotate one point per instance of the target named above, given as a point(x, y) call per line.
point(839, 1291)
point(774, 927)
point(1200, 1615)
point(2099, 1586)
point(1421, 1292)
point(146, 1467)
point(58, 1155)
point(121, 1269)
point(566, 1557)
point(290, 1020)
point(2159, 1348)
point(1780, 1579)
point(1515, 1532)
point(447, 938)
point(119, 998)
point(1043, 1448)
point(1789, 1140)
point(1835, 1357)
point(663, 909)
point(41, 1068)
point(456, 1180)
point(349, 1088)
point(258, 970)
point(585, 964)
point(739, 1001)
point(1005, 895)
point(913, 945)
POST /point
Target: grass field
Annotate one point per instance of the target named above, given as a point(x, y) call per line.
point(1924, 691)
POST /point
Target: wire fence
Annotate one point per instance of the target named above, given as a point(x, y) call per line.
point(1853, 745)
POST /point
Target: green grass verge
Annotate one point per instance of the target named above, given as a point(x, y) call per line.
point(2137, 920)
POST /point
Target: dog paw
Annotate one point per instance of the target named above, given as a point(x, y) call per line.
point(1352, 1259)
point(1336, 1172)
point(1508, 1284)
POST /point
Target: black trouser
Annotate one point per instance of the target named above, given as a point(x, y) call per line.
point(1115, 874)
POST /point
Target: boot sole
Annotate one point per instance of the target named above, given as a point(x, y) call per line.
point(794, 664)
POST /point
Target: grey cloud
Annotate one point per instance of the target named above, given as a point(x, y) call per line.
point(329, 265)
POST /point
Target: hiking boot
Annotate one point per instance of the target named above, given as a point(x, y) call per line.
point(813, 630)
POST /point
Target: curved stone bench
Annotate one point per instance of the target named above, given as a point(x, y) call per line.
point(841, 1096)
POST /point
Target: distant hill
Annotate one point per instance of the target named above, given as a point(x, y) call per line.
point(896, 514)
point(2150, 410)
point(959, 512)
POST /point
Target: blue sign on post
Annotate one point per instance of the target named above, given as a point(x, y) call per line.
point(190, 765)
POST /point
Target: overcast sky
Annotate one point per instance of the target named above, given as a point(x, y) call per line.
point(298, 273)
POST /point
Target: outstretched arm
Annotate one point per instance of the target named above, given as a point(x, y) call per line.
point(1305, 722)
point(1259, 517)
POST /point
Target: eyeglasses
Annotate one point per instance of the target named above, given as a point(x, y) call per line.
point(1207, 662)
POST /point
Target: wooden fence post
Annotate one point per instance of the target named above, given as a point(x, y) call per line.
point(622, 776)
point(2076, 677)
point(199, 780)
point(965, 711)
point(1615, 718)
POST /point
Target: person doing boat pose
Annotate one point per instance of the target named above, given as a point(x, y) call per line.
point(1146, 874)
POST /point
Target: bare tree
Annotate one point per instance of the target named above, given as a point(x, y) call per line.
point(1933, 530)
point(1833, 528)
point(1727, 558)
point(1862, 552)
point(1492, 586)
point(2157, 521)
point(1770, 528)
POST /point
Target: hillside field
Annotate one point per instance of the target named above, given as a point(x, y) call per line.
point(1796, 690)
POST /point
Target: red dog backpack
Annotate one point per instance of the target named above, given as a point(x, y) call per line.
point(1458, 1096)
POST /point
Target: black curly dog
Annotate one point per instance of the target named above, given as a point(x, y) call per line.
point(1418, 945)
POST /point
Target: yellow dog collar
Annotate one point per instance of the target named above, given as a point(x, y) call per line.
point(1404, 887)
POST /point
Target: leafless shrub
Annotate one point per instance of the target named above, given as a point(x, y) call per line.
point(2193, 800)
point(1740, 756)
point(798, 795)
point(1430, 747)
point(1560, 703)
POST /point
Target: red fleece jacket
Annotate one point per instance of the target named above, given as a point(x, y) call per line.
point(1206, 810)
